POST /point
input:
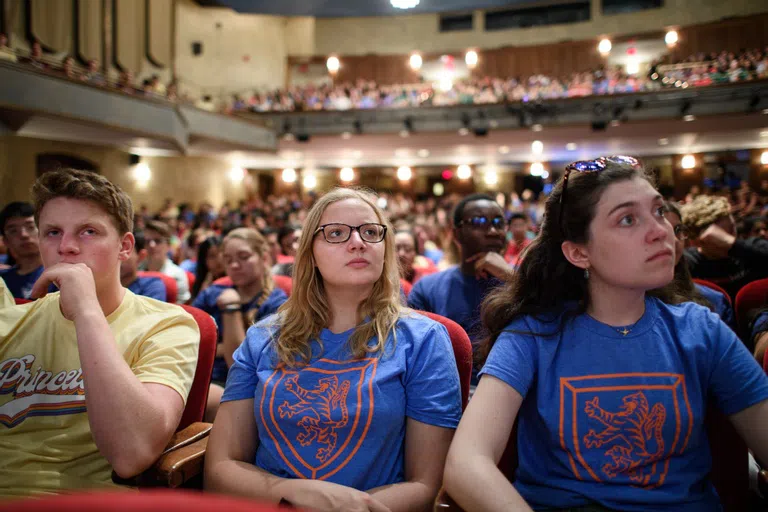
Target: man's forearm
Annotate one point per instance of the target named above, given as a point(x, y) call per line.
point(405, 496)
point(129, 428)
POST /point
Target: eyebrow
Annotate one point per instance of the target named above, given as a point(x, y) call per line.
point(657, 197)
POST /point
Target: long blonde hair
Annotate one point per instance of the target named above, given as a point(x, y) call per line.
point(258, 244)
point(307, 311)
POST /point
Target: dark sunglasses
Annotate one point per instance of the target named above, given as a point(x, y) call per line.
point(483, 222)
point(595, 165)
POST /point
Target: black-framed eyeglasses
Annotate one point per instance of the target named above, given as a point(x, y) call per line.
point(485, 223)
point(681, 232)
point(337, 233)
point(595, 165)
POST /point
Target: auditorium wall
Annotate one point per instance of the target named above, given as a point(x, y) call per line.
point(182, 178)
point(404, 34)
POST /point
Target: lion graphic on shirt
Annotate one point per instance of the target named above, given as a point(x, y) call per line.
point(632, 433)
point(318, 406)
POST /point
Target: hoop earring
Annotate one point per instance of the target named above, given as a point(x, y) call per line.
point(586, 273)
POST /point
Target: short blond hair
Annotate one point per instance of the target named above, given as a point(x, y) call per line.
point(704, 211)
point(86, 186)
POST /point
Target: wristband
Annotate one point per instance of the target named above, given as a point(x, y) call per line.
point(231, 308)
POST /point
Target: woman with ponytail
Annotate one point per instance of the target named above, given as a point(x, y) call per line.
point(609, 384)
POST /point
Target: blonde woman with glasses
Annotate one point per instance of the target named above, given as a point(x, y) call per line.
point(343, 400)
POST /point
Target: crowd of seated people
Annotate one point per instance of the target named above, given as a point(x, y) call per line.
point(695, 71)
point(596, 284)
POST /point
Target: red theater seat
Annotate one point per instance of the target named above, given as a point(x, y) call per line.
point(171, 288)
point(750, 297)
point(198, 394)
point(462, 351)
point(21, 301)
point(406, 287)
point(713, 286)
point(190, 278)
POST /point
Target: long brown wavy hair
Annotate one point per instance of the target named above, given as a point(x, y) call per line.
point(307, 311)
point(545, 280)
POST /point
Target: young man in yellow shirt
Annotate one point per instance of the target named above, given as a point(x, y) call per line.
point(92, 378)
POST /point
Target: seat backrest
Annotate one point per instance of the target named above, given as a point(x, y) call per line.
point(224, 281)
point(713, 286)
point(462, 350)
point(171, 288)
point(190, 278)
point(730, 467)
point(198, 394)
point(406, 287)
point(285, 283)
point(750, 297)
point(21, 301)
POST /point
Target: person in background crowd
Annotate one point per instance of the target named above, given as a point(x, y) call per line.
point(151, 287)
point(6, 53)
point(413, 265)
point(271, 236)
point(210, 265)
point(480, 231)
point(288, 238)
point(343, 348)
point(518, 227)
point(68, 68)
point(93, 76)
point(682, 288)
point(35, 57)
point(114, 368)
point(595, 371)
point(251, 296)
point(760, 334)
point(157, 235)
point(716, 254)
point(17, 221)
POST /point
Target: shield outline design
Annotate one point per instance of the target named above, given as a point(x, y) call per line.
point(295, 461)
point(571, 444)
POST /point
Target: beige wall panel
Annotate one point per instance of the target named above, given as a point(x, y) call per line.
point(130, 23)
point(160, 26)
point(51, 23)
point(189, 179)
point(89, 29)
point(241, 52)
point(404, 34)
point(300, 36)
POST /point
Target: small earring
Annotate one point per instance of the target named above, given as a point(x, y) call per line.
point(586, 273)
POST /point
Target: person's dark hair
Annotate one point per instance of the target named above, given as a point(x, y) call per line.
point(17, 209)
point(682, 288)
point(458, 211)
point(546, 281)
point(518, 216)
point(268, 231)
point(201, 270)
point(412, 235)
point(140, 241)
point(284, 232)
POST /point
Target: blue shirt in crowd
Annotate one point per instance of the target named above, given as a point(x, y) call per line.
point(206, 301)
point(151, 287)
point(454, 295)
point(343, 419)
point(19, 285)
point(618, 419)
point(719, 302)
point(760, 324)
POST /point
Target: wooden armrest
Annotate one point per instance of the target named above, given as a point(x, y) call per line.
point(444, 503)
point(181, 460)
point(762, 483)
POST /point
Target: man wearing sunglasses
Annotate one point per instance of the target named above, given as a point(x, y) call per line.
point(480, 231)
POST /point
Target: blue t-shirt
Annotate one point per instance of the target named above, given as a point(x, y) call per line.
point(619, 419)
point(19, 285)
point(342, 419)
point(206, 301)
point(760, 324)
point(454, 295)
point(151, 287)
point(188, 266)
point(719, 302)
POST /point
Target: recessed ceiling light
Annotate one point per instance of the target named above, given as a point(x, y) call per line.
point(537, 127)
point(423, 153)
point(493, 123)
point(765, 111)
point(288, 137)
point(689, 117)
point(571, 146)
point(663, 141)
point(764, 133)
point(346, 135)
point(402, 152)
point(615, 122)
point(503, 150)
point(463, 131)
point(404, 133)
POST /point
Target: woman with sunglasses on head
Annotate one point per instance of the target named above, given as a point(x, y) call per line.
point(683, 288)
point(610, 385)
point(355, 398)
